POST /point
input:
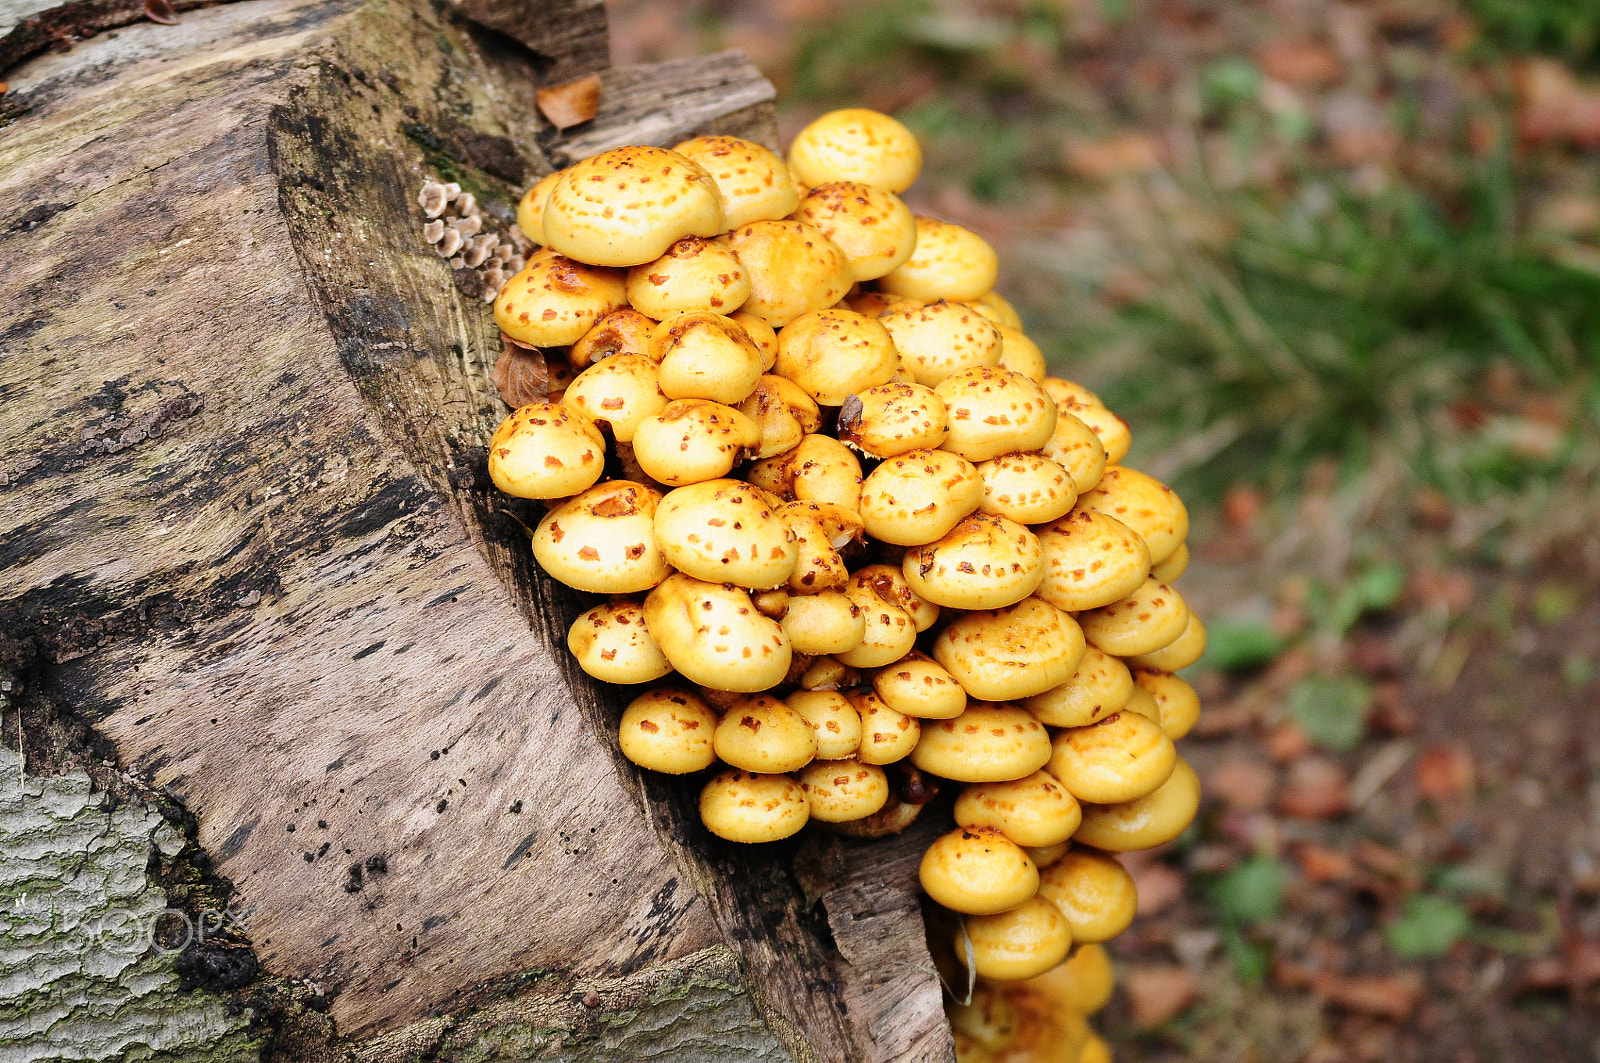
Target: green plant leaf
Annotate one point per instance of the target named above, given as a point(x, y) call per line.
point(1332, 710)
point(1249, 893)
point(1239, 645)
point(1427, 926)
point(1381, 585)
point(1554, 602)
point(1250, 960)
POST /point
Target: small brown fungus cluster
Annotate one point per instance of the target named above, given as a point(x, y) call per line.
point(455, 226)
point(861, 546)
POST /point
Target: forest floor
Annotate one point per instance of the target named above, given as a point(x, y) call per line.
point(1339, 266)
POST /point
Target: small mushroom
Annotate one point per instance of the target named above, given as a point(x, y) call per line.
point(987, 743)
point(1026, 488)
point(1152, 617)
point(740, 806)
point(995, 307)
point(1074, 446)
point(843, 791)
point(886, 736)
point(828, 673)
point(624, 331)
point(1100, 687)
point(761, 335)
point(694, 274)
point(1090, 560)
point(1141, 702)
point(1178, 654)
point(824, 623)
point(705, 356)
point(784, 413)
point(1177, 700)
point(1144, 504)
point(620, 392)
point(433, 232)
point(977, 872)
point(1145, 822)
point(763, 734)
point(603, 540)
point(555, 300)
point(1020, 354)
point(1011, 653)
point(873, 303)
point(545, 450)
point(793, 269)
point(450, 241)
point(1083, 404)
point(892, 419)
point(693, 440)
point(983, 562)
point(1169, 570)
point(1081, 985)
point(726, 531)
point(917, 685)
point(1045, 855)
point(530, 211)
point(714, 635)
point(889, 584)
point(432, 199)
point(888, 632)
point(626, 206)
point(895, 816)
point(610, 643)
point(836, 722)
point(1121, 758)
point(873, 227)
point(989, 1019)
point(821, 530)
point(939, 338)
point(820, 469)
point(994, 411)
point(755, 184)
point(919, 497)
point(856, 144)
point(834, 353)
point(1022, 943)
point(668, 730)
point(1034, 811)
point(949, 262)
point(1094, 892)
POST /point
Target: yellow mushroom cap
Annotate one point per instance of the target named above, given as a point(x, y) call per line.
point(821, 530)
point(978, 872)
point(820, 469)
point(983, 562)
point(1022, 943)
point(893, 418)
point(1141, 702)
point(626, 206)
point(1094, 892)
point(994, 411)
point(1180, 653)
point(763, 734)
point(743, 807)
point(761, 335)
point(1178, 701)
point(726, 531)
point(624, 331)
point(1100, 687)
point(1081, 984)
point(939, 338)
point(713, 634)
point(1151, 617)
point(988, 1018)
point(668, 730)
point(999, 310)
point(836, 722)
point(888, 630)
point(1090, 560)
point(823, 623)
point(1121, 758)
point(603, 540)
point(889, 584)
point(793, 269)
point(950, 262)
point(1144, 504)
point(705, 356)
point(886, 736)
point(1035, 811)
point(1173, 567)
point(919, 497)
point(919, 686)
point(1145, 822)
point(755, 184)
point(843, 791)
point(610, 642)
point(1026, 488)
point(783, 412)
point(873, 227)
point(834, 353)
point(1074, 446)
point(530, 211)
point(1045, 855)
point(693, 440)
point(694, 274)
point(620, 391)
point(554, 300)
point(545, 450)
point(987, 743)
point(1020, 354)
point(1113, 432)
point(1011, 653)
point(856, 144)
point(1095, 1050)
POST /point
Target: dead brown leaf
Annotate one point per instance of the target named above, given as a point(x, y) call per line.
point(1445, 772)
point(161, 11)
point(1393, 996)
point(1316, 788)
point(1287, 742)
point(521, 375)
point(1553, 106)
point(1243, 784)
point(572, 103)
point(1303, 64)
point(1114, 156)
point(1241, 505)
point(1320, 864)
point(1158, 885)
point(1158, 993)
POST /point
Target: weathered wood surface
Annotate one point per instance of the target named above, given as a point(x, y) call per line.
point(243, 510)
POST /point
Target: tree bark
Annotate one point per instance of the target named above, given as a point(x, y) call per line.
point(246, 526)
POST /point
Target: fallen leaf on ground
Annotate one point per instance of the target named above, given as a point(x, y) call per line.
point(1393, 996)
point(1553, 106)
point(1113, 156)
point(1158, 994)
point(1241, 505)
point(1390, 714)
point(572, 103)
point(1242, 783)
point(160, 11)
point(521, 375)
point(1303, 64)
point(1316, 788)
point(1445, 772)
point(1320, 864)
point(1287, 741)
point(1159, 887)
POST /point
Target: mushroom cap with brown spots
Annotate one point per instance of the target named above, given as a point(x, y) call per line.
point(626, 206)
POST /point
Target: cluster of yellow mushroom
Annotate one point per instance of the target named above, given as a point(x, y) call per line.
point(844, 521)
